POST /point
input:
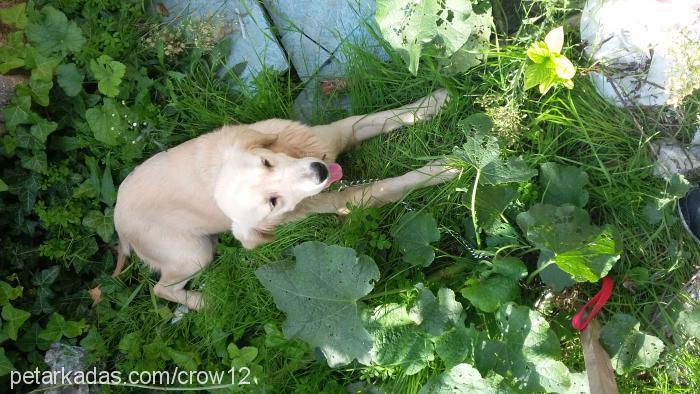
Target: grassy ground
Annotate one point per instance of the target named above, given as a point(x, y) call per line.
point(572, 127)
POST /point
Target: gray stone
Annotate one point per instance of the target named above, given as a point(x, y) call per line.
point(253, 43)
point(8, 83)
point(313, 34)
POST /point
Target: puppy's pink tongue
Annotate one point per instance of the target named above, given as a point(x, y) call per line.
point(335, 173)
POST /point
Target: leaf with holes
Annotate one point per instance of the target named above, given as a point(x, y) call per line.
point(441, 26)
point(414, 233)
point(320, 294)
point(629, 348)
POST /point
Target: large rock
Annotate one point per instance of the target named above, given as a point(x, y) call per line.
point(253, 43)
point(313, 34)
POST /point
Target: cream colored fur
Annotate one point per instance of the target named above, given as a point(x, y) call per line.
point(170, 209)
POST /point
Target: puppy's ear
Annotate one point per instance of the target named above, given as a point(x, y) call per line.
point(250, 139)
point(251, 238)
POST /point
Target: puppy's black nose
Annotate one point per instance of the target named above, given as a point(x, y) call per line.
point(321, 171)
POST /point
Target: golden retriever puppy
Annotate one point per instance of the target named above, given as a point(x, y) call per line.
point(248, 179)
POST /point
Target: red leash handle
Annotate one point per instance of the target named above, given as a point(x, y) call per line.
point(593, 306)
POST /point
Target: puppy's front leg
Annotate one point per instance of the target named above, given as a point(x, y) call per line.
point(378, 193)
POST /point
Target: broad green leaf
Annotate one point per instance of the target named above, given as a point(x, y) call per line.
point(38, 90)
point(42, 302)
point(397, 340)
point(629, 348)
point(443, 27)
point(94, 345)
point(108, 193)
point(552, 275)
point(46, 277)
point(561, 184)
point(52, 33)
point(14, 16)
point(535, 73)
point(131, 344)
point(101, 223)
point(555, 39)
point(530, 351)
point(563, 67)
point(18, 112)
point(58, 327)
point(652, 212)
point(557, 228)
point(188, 361)
point(13, 52)
point(320, 294)
point(501, 234)
point(501, 287)
point(462, 378)
point(3, 186)
point(42, 129)
point(12, 320)
point(689, 322)
point(9, 293)
point(106, 122)
point(591, 261)
point(5, 364)
point(510, 267)
point(538, 52)
point(414, 233)
point(582, 250)
point(480, 148)
point(36, 162)
point(512, 170)
point(42, 66)
point(491, 201)
point(108, 73)
point(489, 294)
point(30, 340)
point(458, 344)
point(678, 186)
point(433, 314)
point(70, 79)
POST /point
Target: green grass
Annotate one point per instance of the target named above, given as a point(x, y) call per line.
point(572, 127)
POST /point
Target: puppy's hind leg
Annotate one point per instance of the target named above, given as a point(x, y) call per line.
point(171, 287)
point(178, 265)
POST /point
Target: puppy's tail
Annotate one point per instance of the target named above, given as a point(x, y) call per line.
point(123, 251)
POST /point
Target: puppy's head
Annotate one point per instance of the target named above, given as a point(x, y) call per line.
point(262, 181)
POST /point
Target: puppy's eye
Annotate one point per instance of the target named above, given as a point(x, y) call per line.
point(273, 201)
point(266, 163)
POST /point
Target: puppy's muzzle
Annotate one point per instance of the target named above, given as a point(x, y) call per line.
point(320, 170)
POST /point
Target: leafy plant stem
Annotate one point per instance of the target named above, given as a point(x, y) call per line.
point(473, 208)
point(385, 293)
point(537, 271)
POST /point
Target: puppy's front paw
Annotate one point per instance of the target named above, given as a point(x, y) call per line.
point(437, 171)
point(430, 105)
